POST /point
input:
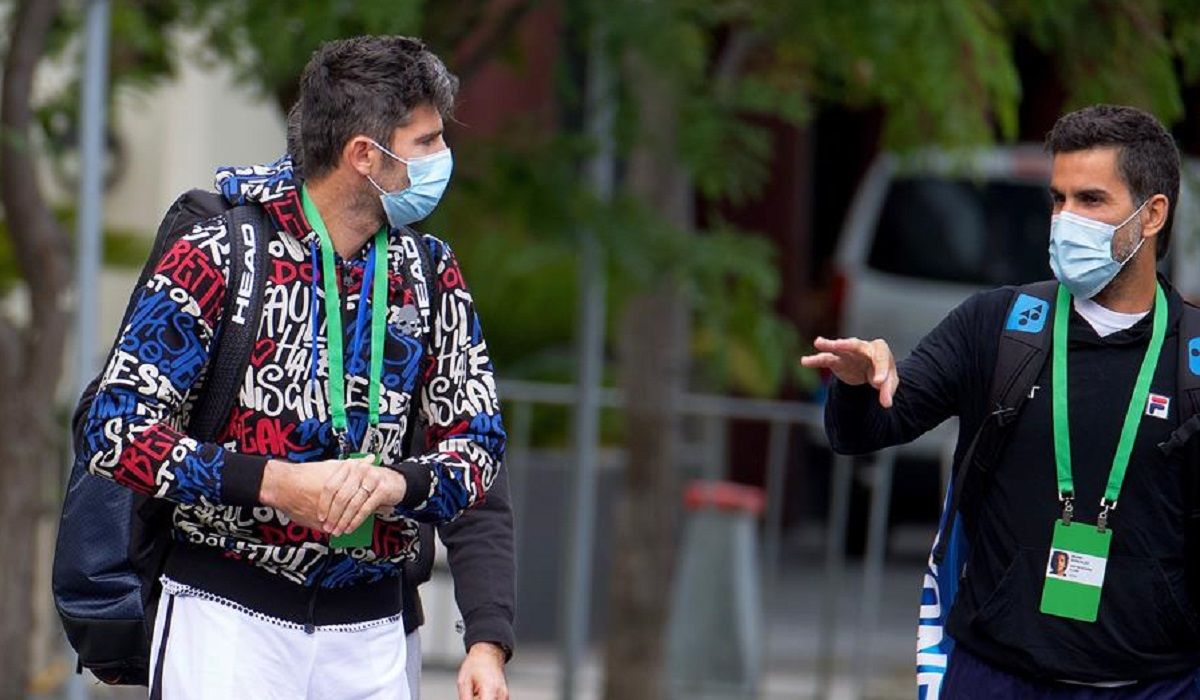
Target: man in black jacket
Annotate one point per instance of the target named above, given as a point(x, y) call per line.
point(1116, 620)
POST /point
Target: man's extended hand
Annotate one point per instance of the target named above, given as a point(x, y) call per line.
point(481, 676)
point(857, 361)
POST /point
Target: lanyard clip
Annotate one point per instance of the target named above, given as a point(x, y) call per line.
point(1068, 502)
point(373, 440)
point(1105, 508)
point(345, 447)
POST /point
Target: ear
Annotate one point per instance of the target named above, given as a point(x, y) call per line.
point(360, 154)
point(1154, 216)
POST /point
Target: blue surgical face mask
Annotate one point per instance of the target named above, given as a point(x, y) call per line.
point(427, 180)
point(1081, 252)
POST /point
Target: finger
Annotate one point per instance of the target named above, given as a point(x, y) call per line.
point(345, 492)
point(881, 362)
point(466, 688)
point(824, 360)
point(885, 394)
point(845, 345)
point(823, 344)
point(364, 503)
point(365, 486)
point(329, 488)
point(490, 690)
point(888, 392)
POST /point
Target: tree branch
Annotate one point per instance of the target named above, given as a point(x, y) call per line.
point(501, 30)
point(39, 245)
point(732, 59)
point(451, 24)
point(10, 351)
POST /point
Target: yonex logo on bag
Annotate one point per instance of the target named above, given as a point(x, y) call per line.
point(1029, 316)
point(1194, 356)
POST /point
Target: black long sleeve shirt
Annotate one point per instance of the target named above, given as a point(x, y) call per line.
point(1147, 626)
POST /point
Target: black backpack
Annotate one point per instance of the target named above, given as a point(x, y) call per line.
point(112, 543)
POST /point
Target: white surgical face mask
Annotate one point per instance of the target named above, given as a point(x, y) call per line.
point(427, 180)
point(1081, 252)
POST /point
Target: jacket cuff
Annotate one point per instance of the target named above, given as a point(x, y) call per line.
point(419, 479)
point(490, 625)
point(241, 479)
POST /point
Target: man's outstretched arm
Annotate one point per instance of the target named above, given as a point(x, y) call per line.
point(876, 402)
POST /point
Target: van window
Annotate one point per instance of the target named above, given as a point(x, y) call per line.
point(962, 230)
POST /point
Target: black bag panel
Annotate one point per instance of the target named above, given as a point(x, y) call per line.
point(88, 581)
point(104, 642)
point(106, 597)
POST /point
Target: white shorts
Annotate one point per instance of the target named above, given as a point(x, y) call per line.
point(206, 649)
point(413, 644)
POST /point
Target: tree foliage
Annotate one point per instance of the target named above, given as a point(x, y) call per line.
point(942, 72)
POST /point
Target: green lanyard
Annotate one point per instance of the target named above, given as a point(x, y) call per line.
point(334, 337)
point(1133, 415)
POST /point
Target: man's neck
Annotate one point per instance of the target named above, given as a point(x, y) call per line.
point(350, 225)
point(1132, 291)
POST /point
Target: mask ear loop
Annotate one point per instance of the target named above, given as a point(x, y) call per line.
point(1141, 239)
point(388, 152)
point(1135, 213)
point(1135, 251)
point(376, 185)
point(405, 161)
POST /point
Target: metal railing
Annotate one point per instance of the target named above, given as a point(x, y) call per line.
point(781, 417)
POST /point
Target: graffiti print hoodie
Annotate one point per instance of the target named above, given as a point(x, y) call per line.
point(227, 545)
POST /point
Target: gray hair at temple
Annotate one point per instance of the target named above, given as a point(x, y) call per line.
point(295, 144)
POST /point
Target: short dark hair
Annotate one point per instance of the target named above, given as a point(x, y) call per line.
point(295, 145)
point(365, 85)
point(1147, 157)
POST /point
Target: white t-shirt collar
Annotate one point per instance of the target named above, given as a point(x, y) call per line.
point(1105, 321)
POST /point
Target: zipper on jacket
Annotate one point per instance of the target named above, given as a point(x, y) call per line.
point(310, 621)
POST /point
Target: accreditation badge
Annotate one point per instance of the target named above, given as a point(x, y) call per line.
point(1075, 571)
point(362, 535)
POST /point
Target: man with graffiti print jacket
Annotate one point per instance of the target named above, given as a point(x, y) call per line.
point(480, 549)
point(259, 597)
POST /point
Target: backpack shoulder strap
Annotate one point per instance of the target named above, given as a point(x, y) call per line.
point(248, 229)
point(1187, 388)
point(1023, 349)
point(1188, 372)
point(187, 209)
point(433, 303)
point(1021, 354)
point(428, 270)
